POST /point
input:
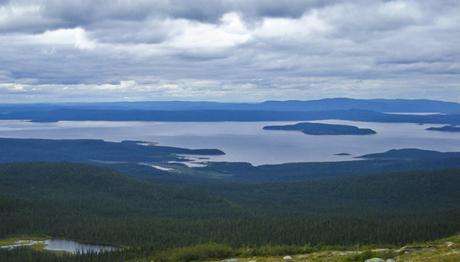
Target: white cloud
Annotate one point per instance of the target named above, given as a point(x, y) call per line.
point(229, 32)
point(76, 37)
point(12, 87)
point(408, 11)
point(306, 27)
point(229, 50)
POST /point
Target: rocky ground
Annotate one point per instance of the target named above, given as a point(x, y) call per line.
point(447, 250)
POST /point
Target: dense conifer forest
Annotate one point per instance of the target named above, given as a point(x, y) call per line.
point(145, 217)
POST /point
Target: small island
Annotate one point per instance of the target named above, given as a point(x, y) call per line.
point(453, 129)
point(323, 129)
point(342, 154)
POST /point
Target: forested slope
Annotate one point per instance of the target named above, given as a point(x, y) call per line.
point(92, 204)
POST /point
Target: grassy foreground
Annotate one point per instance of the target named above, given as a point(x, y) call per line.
point(447, 249)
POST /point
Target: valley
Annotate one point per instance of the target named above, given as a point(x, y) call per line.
point(166, 191)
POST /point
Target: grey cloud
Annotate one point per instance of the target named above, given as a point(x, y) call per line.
point(112, 50)
point(51, 14)
point(131, 32)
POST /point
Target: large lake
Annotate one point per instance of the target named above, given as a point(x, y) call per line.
point(245, 141)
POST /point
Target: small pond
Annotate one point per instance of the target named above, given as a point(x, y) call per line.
point(60, 245)
point(75, 247)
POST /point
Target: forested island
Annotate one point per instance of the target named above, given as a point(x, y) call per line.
point(323, 129)
point(342, 154)
point(448, 128)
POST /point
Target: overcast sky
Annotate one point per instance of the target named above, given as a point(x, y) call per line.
point(228, 50)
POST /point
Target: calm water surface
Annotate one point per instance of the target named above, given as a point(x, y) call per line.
point(61, 245)
point(74, 247)
point(245, 141)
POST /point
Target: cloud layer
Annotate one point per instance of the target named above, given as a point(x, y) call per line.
point(228, 50)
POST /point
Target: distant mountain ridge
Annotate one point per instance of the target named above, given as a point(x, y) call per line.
point(222, 115)
point(379, 105)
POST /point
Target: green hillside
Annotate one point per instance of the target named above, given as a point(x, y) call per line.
point(96, 205)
